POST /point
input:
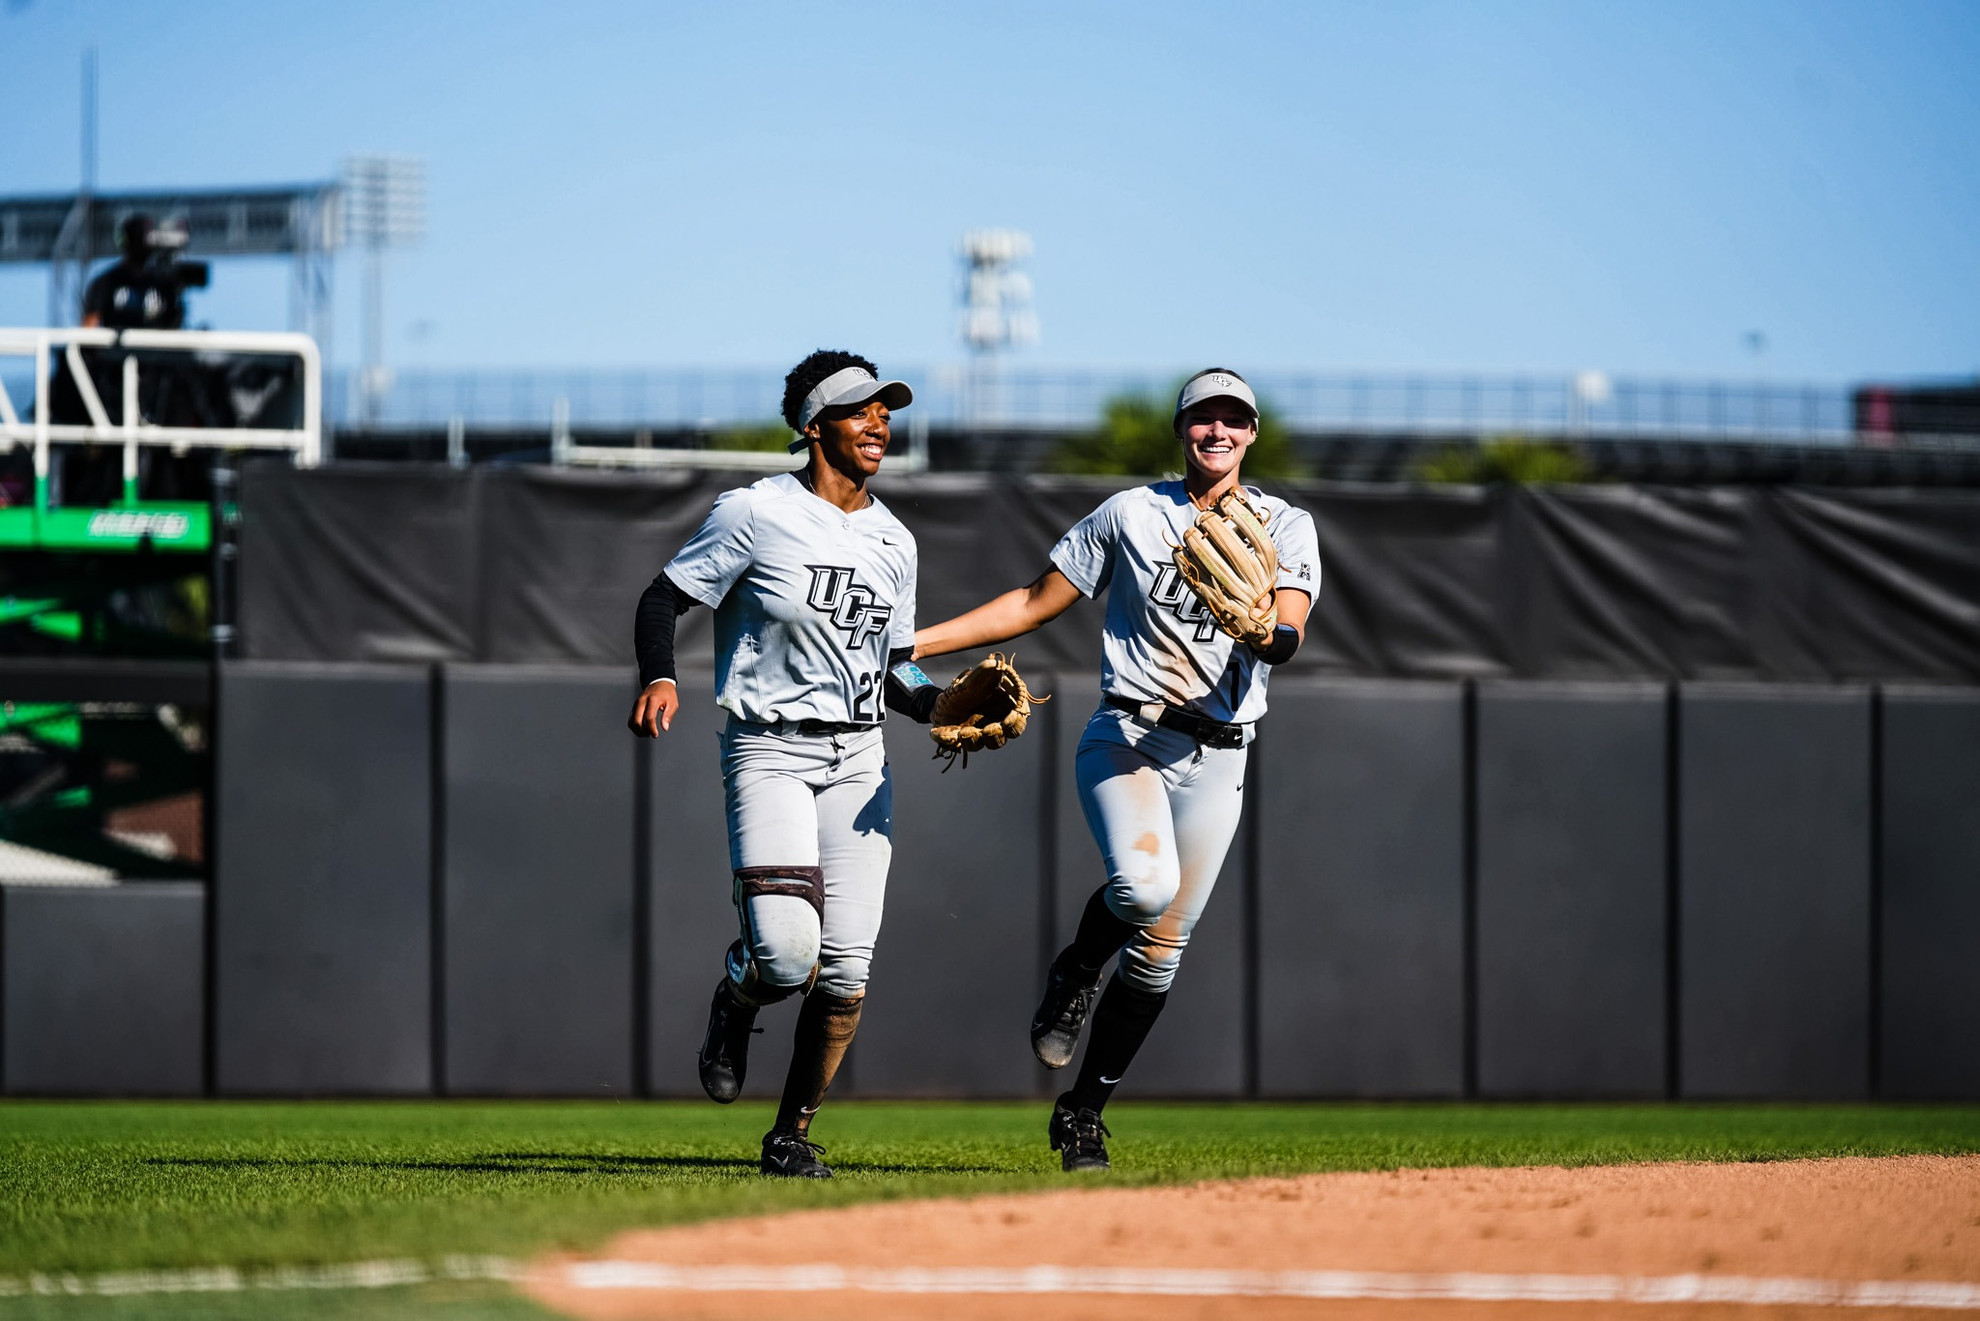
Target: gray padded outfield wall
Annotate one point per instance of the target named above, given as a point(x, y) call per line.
point(104, 989)
point(328, 975)
point(1361, 889)
point(1774, 892)
point(1931, 894)
point(323, 880)
point(1571, 889)
point(538, 893)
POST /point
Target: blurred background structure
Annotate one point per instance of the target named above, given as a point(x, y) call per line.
point(384, 207)
point(1628, 359)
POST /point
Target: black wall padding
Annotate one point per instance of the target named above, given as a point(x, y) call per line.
point(538, 890)
point(1625, 580)
point(565, 554)
point(104, 989)
point(954, 979)
point(361, 562)
point(1571, 890)
point(1931, 895)
point(391, 562)
point(1361, 889)
point(1410, 582)
point(692, 912)
point(1774, 892)
point(323, 880)
point(979, 537)
point(1883, 585)
point(1198, 1046)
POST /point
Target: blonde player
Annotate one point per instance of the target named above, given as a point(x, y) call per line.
point(812, 582)
point(1161, 765)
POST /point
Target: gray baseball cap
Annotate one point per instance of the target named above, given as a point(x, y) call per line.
point(1216, 383)
point(847, 386)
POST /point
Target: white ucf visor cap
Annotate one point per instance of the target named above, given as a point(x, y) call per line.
point(1217, 383)
point(847, 386)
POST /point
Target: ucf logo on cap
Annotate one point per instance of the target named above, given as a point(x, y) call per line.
point(1214, 383)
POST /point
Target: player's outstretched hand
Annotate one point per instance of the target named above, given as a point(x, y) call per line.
point(654, 711)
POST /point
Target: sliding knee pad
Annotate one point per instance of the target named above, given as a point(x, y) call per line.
point(776, 959)
point(806, 883)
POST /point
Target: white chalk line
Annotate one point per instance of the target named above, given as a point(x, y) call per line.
point(1457, 1286)
point(239, 1279)
point(1942, 1295)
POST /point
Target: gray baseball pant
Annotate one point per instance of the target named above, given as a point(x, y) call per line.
point(809, 800)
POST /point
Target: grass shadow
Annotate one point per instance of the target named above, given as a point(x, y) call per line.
point(518, 1162)
point(549, 1162)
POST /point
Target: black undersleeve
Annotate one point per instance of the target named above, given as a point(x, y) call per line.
point(653, 628)
point(1284, 643)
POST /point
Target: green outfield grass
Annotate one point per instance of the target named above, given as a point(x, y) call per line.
point(96, 1186)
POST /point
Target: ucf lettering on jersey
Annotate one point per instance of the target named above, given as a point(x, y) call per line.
point(808, 600)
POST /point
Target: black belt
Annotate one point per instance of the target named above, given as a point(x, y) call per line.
point(1210, 733)
point(816, 727)
point(812, 728)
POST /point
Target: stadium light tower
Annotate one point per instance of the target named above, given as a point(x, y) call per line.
point(385, 207)
point(996, 306)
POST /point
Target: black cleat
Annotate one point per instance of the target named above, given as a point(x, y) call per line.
point(789, 1156)
point(1062, 1013)
point(724, 1058)
point(1079, 1137)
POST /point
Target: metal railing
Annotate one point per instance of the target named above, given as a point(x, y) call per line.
point(130, 430)
point(1402, 403)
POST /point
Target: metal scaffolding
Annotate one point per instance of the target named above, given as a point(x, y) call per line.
point(68, 231)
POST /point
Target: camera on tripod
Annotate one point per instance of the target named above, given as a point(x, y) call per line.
point(160, 245)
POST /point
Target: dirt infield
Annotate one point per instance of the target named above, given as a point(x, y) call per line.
point(1907, 1220)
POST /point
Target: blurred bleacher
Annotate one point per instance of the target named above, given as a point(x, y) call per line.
point(1348, 425)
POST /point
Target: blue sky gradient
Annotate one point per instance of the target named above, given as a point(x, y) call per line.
point(1517, 186)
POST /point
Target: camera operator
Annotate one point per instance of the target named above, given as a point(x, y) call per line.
point(145, 289)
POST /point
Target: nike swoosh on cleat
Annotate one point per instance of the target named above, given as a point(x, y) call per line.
point(1111, 1081)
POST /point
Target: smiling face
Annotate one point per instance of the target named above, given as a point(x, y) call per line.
point(1215, 434)
point(854, 440)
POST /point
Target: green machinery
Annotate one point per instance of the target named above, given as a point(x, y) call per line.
point(130, 522)
point(93, 784)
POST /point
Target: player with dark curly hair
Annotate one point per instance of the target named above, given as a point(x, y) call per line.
point(812, 582)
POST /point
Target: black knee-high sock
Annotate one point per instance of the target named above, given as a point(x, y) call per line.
point(1120, 1024)
point(1100, 935)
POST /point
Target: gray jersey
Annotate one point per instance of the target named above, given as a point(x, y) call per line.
point(1160, 644)
point(808, 599)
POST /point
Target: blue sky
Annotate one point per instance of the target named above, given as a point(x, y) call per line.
point(1503, 186)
